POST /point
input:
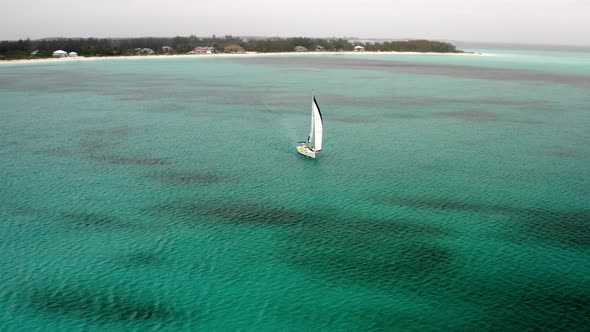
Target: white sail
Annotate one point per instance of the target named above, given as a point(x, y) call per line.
point(317, 126)
point(313, 145)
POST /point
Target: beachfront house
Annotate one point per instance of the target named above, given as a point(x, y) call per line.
point(319, 48)
point(204, 50)
point(234, 49)
point(73, 54)
point(144, 51)
point(359, 48)
point(167, 49)
point(35, 53)
point(300, 49)
point(60, 54)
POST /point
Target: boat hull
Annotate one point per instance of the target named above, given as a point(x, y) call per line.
point(306, 151)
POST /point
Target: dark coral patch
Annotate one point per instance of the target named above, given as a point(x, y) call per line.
point(108, 132)
point(97, 306)
point(418, 68)
point(562, 227)
point(471, 115)
point(139, 161)
point(188, 178)
point(139, 259)
point(350, 120)
point(565, 153)
point(93, 220)
point(401, 116)
point(369, 252)
point(58, 152)
point(374, 253)
point(447, 204)
point(335, 245)
point(239, 214)
point(527, 306)
point(93, 146)
point(565, 228)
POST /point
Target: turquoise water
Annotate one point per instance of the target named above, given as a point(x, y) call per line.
point(453, 193)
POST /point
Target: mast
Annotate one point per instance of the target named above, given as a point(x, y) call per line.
point(311, 131)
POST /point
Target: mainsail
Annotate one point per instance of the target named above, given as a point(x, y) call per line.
point(317, 127)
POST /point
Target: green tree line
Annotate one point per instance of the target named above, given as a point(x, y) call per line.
point(21, 49)
point(413, 46)
point(289, 44)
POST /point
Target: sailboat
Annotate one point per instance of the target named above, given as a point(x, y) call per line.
point(313, 145)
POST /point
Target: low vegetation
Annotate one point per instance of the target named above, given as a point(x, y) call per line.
point(22, 49)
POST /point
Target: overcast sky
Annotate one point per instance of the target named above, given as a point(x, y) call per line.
point(514, 21)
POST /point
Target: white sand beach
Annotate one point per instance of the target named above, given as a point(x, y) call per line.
point(84, 58)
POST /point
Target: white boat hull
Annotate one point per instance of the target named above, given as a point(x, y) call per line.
point(306, 151)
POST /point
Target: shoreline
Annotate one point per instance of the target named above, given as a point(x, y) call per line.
point(84, 58)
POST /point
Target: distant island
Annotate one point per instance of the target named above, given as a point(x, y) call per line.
point(54, 47)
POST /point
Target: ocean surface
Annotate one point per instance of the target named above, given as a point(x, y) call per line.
point(452, 193)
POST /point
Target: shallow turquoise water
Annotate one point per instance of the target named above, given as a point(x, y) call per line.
point(452, 193)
